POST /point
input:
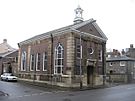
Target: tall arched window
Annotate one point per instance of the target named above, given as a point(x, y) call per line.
point(23, 61)
point(59, 59)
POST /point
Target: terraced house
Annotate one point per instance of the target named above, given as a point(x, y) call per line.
point(67, 56)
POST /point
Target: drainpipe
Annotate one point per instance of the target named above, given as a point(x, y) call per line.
point(51, 56)
point(104, 62)
point(81, 84)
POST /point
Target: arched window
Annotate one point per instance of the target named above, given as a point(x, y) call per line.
point(32, 59)
point(38, 61)
point(45, 57)
point(58, 59)
point(23, 61)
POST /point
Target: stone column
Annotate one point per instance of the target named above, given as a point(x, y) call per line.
point(70, 56)
point(28, 58)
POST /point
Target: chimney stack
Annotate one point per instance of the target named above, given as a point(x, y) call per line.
point(4, 40)
point(123, 52)
point(131, 46)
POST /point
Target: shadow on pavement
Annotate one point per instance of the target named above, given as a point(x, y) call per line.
point(3, 94)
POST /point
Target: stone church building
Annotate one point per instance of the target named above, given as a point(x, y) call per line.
point(67, 57)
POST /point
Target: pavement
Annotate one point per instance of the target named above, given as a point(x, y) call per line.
point(57, 88)
point(107, 85)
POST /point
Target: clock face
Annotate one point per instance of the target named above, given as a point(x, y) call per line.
point(91, 50)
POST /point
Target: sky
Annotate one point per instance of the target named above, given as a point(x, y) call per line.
point(23, 19)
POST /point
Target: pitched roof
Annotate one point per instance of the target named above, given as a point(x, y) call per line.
point(70, 28)
point(120, 58)
point(5, 48)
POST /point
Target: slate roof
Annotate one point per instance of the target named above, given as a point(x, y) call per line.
point(6, 49)
point(70, 28)
point(7, 53)
point(120, 58)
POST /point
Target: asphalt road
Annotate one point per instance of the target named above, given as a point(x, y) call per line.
point(20, 92)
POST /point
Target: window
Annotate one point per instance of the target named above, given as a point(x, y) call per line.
point(38, 58)
point(134, 64)
point(45, 61)
point(122, 63)
point(15, 59)
point(23, 61)
point(32, 62)
point(79, 51)
point(110, 64)
point(109, 56)
point(78, 57)
point(59, 59)
point(100, 55)
point(90, 50)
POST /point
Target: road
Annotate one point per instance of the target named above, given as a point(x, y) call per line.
point(20, 92)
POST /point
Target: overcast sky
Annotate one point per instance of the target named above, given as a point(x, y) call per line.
point(22, 19)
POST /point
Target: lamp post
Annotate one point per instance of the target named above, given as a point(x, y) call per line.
point(81, 84)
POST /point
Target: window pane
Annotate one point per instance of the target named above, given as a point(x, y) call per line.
point(38, 56)
point(78, 49)
point(32, 66)
point(45, 65)
point(62, 62)
point(58, 69)
point(38, 65)
point(38, 61)
point(23, 61)
point(78, 46)
point(32, 62)
point(59, 55)
point(78, 55)
point(45, 56)
point(59, 49)
point(59, 61)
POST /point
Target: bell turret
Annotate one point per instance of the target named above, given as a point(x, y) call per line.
point(78, 15)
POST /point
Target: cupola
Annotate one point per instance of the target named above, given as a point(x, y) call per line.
point(78, 15)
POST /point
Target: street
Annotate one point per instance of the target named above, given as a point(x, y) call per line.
point(15, 91)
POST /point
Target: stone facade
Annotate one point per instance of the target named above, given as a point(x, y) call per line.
point(10, 63)
point(121, 69)
point(8, 58)
point(71, 56)
point(92, 61)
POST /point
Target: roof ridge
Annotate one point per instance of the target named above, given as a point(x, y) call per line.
point(59, 30)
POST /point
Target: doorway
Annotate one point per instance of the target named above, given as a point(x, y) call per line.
point(90, 72)
point(9, 68)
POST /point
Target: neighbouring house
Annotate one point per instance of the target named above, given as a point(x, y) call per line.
point(8, 58)
point(130, 52)
point(70, 56)
point(119, 67)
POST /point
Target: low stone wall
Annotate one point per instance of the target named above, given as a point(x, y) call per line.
point(60, 80)
point(117, 78)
